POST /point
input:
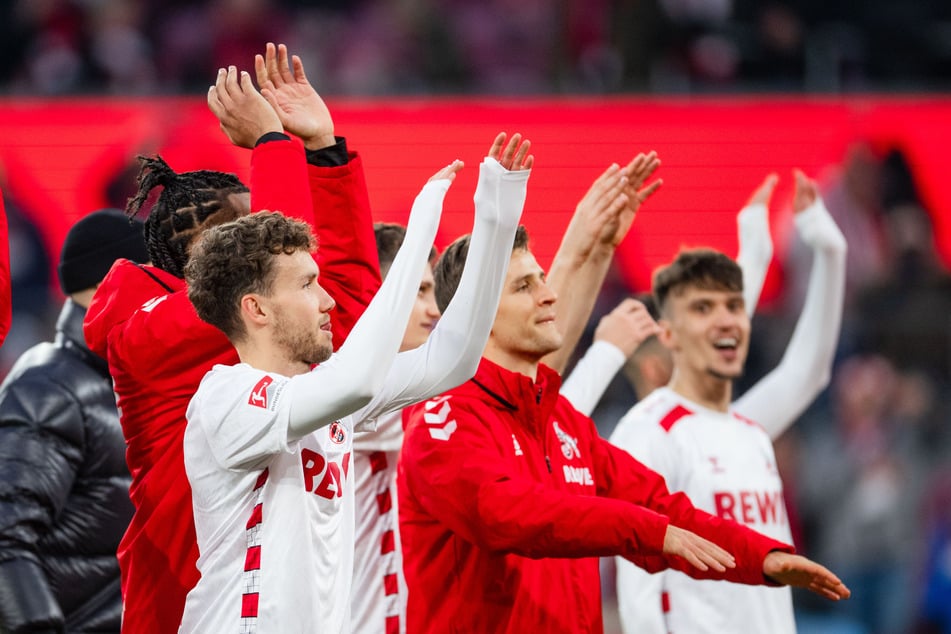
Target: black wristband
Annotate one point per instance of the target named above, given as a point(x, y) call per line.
point(331, 156)
point(267, 137)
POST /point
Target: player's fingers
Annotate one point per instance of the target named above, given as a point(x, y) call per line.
point(282, 64)
point(509, 151)
point(521, 153)
point(260, 70)
point(529, 162)
point(496, 150)
point(214, 103)
point(270, 63)
point(298, 68)
point(231, 82)
point(649, 190)
point(247, 87)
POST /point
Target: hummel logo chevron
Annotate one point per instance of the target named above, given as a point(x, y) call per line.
point(440, 427)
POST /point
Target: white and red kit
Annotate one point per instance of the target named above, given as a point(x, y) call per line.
point(158, 350)
point(725, 463)
point(379, 588)
point(274, 513)
point(508, 496)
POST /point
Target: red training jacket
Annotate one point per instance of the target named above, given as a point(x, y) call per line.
point(158, 351)
point(507, 497)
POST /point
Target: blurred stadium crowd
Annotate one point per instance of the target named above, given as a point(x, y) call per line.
point(374, 47)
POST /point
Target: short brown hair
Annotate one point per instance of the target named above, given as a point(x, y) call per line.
point(448, 270)
point(234, 259)
point(700, 268)
point(389, 239)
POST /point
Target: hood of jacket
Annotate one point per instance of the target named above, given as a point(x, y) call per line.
point(125, 289)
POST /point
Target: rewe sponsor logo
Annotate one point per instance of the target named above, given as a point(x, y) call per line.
point(578, 475)
point(324, 477)
point(751, 507)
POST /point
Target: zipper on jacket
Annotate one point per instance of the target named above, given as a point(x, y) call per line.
point(548, 463)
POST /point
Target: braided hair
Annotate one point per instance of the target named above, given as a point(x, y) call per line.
point(188, 204)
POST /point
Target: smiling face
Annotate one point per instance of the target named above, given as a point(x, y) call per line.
point(424, 315)
point(300, 327)
point(707, 331)
point(524, 329)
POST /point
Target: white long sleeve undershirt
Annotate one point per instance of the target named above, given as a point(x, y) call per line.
point(806, 367)
point(372, 371)
point(352, 376)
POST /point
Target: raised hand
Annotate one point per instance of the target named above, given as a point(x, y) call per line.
point(806, 192)
point(764, 192)
point(514, 157)
point(638, 171)
point(699, 552)
point(796, 570)
point(448, 173)
point(300, 109)
point(243, 114)
point(627, 326)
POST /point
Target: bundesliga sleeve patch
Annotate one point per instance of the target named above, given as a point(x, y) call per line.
point(259, 393)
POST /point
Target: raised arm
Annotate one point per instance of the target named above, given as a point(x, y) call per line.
point(756, 244)
point(340, 212)
point(451, 354)
point(601, 220)
point(806, 367)
point(617, 336)
point(356, 373)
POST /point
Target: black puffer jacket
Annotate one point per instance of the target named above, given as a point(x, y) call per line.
point(64, 488)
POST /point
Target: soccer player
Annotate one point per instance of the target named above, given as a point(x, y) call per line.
point(508, 495)
point(141, 321)
point(268, 447)
point(716, 452)
point(379, 589)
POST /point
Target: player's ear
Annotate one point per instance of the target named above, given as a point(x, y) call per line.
point(254, 309)
point(666, 335)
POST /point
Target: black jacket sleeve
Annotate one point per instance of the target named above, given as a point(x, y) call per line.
point(40, 453)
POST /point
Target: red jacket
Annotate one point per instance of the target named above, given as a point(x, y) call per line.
point(507, 496)
point(158, 351)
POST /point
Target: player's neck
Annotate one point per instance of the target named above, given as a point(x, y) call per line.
point(269, 359)
point(512, 362)
point(709, 391)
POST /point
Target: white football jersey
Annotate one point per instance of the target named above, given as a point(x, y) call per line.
point(274, 527)
point(378, 598)
point(725, 464)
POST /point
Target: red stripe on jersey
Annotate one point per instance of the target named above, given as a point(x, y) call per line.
point(384, 502)
point(256, 516)
point(249, 606)
point(388, 544)
point(746, 420)
point(671, 417)
point(665, 602)
point(389, 584)
point(392, 625)
point(377, 461)
point(252, 560)
point(261, 480)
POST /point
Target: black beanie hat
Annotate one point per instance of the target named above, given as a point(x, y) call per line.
point(94, 243)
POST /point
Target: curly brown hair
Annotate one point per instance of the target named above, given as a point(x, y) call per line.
point(236, 258)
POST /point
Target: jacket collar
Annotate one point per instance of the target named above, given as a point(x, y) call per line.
point(531, 402)
point(69, 334)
